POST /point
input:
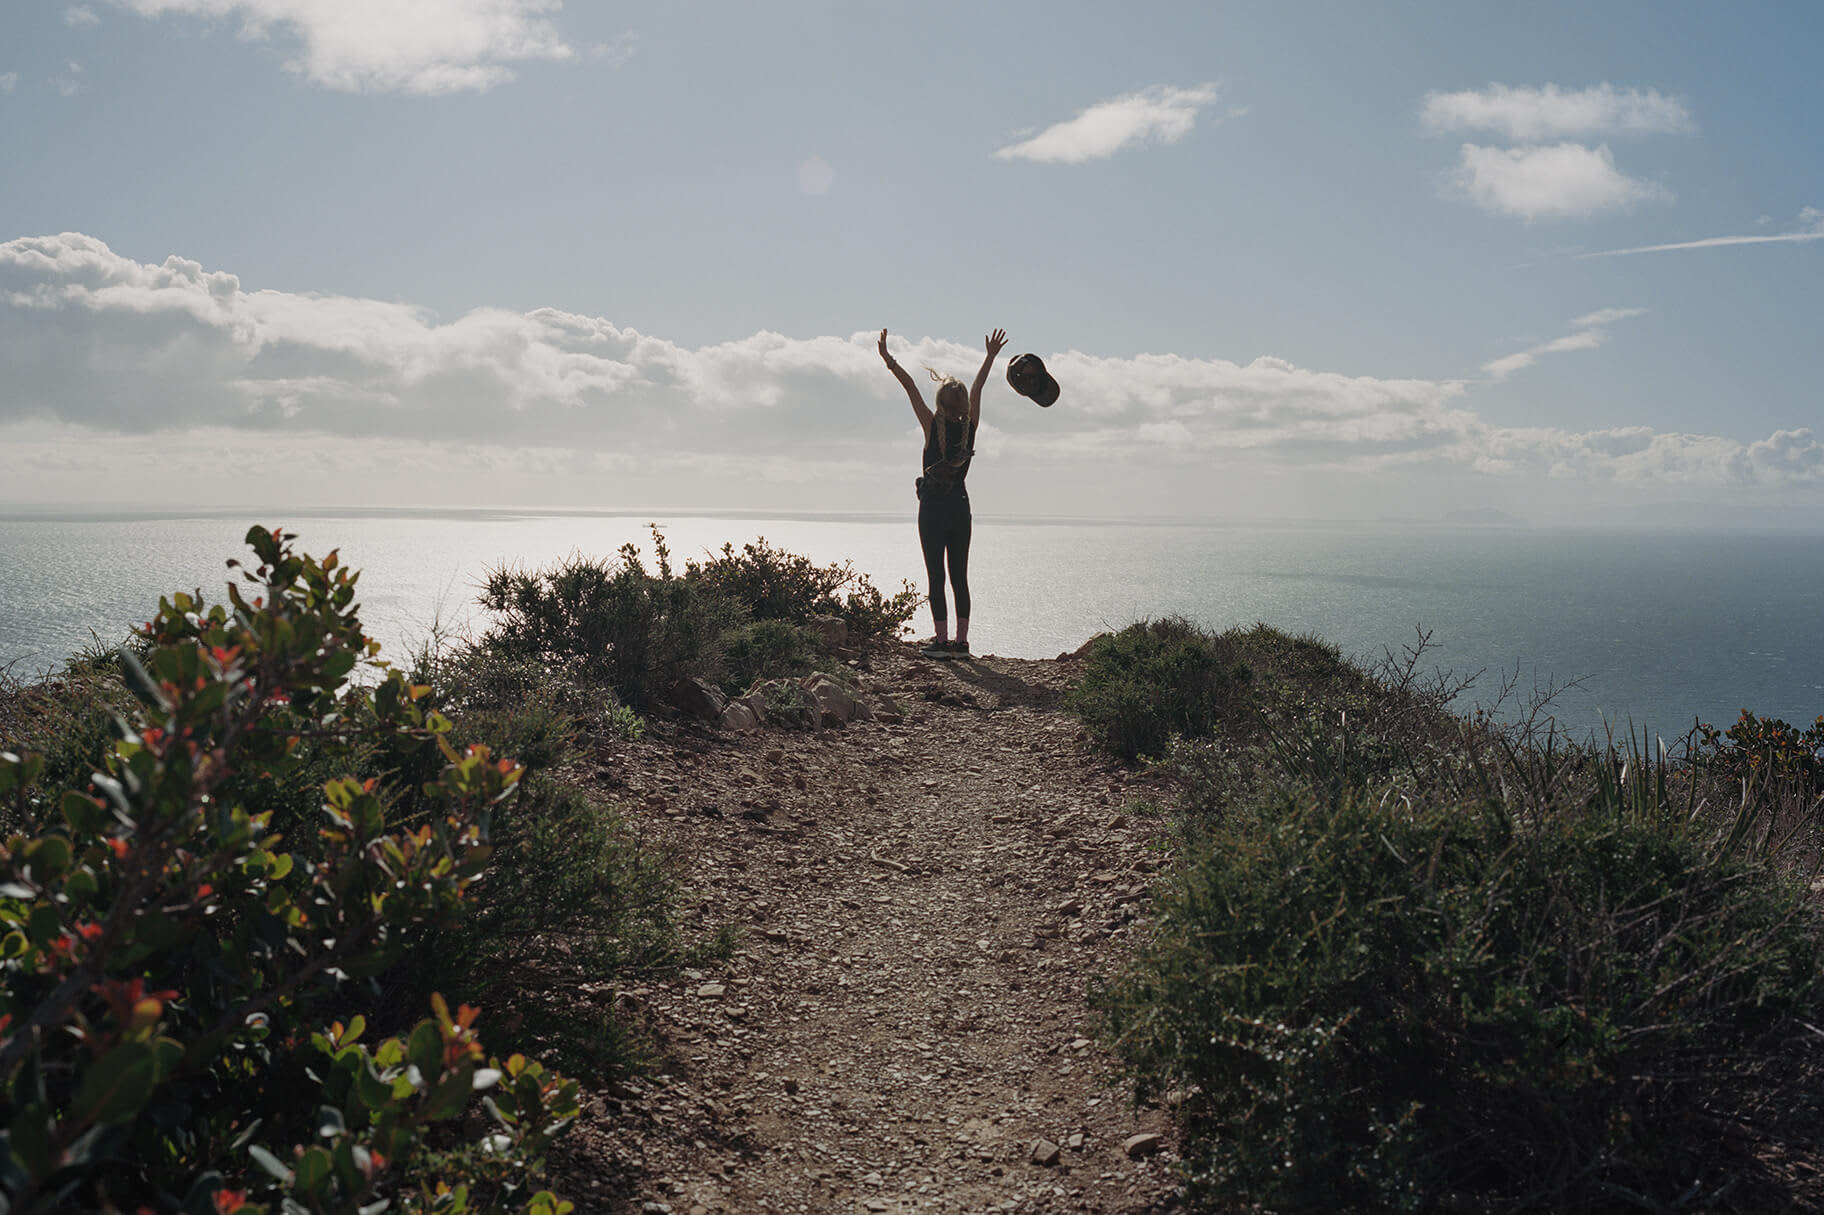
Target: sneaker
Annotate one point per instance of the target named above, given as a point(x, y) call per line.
point(959, 649)
point(938, 649)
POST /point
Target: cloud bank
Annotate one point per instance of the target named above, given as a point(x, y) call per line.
point(377, 46)
point(103, 353)
point(1161, 114)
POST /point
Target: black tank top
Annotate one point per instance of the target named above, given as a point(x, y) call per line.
point(944, 476)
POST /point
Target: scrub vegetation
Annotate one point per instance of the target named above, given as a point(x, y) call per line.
point(258, 883)
point(1411, 960)
point(257, 880)
point(732, 618)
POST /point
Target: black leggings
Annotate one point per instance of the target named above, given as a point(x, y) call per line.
point(943, 532)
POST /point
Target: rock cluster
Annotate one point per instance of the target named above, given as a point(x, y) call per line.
point(818, 701)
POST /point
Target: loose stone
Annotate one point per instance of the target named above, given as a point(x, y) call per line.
point(1137, 1146)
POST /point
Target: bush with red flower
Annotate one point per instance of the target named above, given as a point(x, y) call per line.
point(168, 957)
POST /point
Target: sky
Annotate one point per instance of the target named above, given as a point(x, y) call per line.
point(1286, 260)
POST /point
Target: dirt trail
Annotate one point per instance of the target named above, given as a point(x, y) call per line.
point(903, 1026)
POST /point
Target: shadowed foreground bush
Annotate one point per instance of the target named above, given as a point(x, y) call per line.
point(1408, 961)
point(1393, 1006)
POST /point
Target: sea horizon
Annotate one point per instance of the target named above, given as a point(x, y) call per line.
point(1635, 519)
point(1632, 625)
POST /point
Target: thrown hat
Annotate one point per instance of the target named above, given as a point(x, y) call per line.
point(1029, 378)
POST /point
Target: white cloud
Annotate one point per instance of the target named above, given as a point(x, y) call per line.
point(1607, 316)
point(1507, 364)
point(1811, 221)
point(8, 81)
point(1560, 181)
point(1640, 457)
point(1161, 114)
point(1587, 332)
point(361, 46)
point(80, 17)
point(1535, 115)
point(108, 362)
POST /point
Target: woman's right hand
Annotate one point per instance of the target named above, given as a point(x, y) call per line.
point(883, 348)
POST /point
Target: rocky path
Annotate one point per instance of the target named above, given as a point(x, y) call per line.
point(923, 905)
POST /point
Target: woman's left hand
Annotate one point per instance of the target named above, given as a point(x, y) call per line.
point(995, 341)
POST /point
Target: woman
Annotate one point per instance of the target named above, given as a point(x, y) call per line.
point(943, 501)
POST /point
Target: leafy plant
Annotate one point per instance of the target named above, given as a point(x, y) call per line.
point(616, 627)
point(571, 896)
point(165, 950)
point(1415, 961)
point(768, 649)
point(1382, 1004)
point(633, 632)
point(771, 584)
point(1155, 680)
point(1764, 748)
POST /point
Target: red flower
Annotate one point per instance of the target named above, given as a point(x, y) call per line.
point(132, 1005)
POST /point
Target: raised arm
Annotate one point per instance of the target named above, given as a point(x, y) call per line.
point(905, 381)
point(994, 342)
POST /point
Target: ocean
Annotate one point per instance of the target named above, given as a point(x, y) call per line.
point(1636, 628)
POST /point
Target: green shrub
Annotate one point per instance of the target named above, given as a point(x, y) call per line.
point(768, 649)
point(1314, 720)
point(1411, 1004)
point(771, 584)
point(1310, 660)
point(614, 627)
point(67, 720)
point(1773, 770)
point(1157, 679)
point(571, 895)
point(168, 959)
point(788, 705)
point(732, 619)
point(1412, 961)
